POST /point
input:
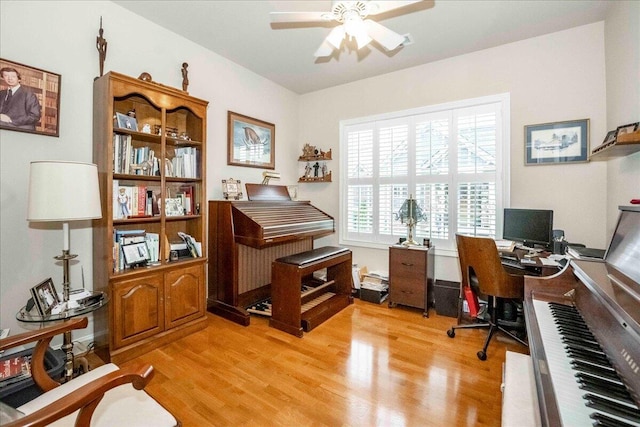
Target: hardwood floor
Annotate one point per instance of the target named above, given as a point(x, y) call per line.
point(368, 365)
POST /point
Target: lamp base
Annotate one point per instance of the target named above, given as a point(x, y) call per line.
point(410, 241)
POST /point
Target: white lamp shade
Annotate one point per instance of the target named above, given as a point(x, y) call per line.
point(63, 191)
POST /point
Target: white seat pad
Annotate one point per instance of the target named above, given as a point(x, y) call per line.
point(120, 406)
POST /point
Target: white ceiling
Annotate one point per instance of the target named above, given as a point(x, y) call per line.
point(241, 31)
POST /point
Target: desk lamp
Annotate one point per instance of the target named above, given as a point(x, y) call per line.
point(61, 191)
point(410, 214)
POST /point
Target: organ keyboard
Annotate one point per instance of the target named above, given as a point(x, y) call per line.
point(584, 335)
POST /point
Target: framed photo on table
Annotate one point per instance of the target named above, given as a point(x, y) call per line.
point(35, 106)
point(251, 142)
point(559, 142)
point(45, 297)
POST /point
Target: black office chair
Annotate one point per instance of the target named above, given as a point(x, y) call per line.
point(480, 267)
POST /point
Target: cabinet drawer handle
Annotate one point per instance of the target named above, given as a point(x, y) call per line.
point(408, 264)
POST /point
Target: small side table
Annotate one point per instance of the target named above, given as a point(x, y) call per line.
point(411, 277)
point(32, 317)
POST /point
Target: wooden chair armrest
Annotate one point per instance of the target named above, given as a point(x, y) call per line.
point(86, 398)
point(43, 337)
point(43, 333)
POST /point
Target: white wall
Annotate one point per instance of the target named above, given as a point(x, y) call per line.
point(60, 37)
point(555, 77)
point(622, 35)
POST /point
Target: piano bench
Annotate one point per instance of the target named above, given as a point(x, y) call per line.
point(294, 312)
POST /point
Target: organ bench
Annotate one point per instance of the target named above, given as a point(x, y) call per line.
point(298, 302)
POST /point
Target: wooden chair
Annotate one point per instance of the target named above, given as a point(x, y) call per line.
point(480, 263)
point(105, 396)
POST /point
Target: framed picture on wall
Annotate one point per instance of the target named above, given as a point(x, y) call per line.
point(29, 99)
point(251, 142)
point(558, 142)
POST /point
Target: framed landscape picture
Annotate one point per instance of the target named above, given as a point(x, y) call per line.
point(251, 142)
point(559, 142)
point(29, 99)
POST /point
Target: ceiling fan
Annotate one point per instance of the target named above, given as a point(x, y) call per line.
point(352, 15)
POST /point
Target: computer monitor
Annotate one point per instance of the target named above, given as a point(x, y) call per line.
point(529, 226)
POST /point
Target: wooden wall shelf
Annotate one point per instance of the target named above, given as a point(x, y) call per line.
point(624, 145)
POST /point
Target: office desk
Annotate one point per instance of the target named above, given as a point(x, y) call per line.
point(530, 269)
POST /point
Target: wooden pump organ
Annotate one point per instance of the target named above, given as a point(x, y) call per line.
point(247, 237)
point(584, 337)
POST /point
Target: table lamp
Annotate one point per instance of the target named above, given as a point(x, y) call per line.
point(61, 191)
point(410, 214)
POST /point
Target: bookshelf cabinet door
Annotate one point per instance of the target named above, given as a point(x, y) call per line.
point(137, 306)
point(185, 295)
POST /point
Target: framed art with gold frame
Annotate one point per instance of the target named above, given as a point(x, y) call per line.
point(35, 107)
point(251, 142)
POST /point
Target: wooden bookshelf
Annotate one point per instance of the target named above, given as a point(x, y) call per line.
point(163, 164)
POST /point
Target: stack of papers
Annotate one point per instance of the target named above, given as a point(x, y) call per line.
point(585, 253)
point(505, 245)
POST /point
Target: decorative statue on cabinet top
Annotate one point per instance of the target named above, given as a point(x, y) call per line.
point(101, 45)
point(185, 76)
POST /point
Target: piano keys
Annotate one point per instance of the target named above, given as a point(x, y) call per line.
point(584, 335)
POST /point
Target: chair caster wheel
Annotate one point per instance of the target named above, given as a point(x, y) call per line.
point(451, 333)
point(482, 355)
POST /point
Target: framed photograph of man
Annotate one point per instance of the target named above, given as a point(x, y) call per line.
point(29, 99)
point(45, 297)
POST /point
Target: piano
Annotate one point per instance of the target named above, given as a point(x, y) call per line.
point(584, 335)
point(245, 237)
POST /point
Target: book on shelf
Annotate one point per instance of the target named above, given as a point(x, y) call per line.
point(122, 238)
point(186, 194)
point(185, 163)
point(132, 201)
point(585, 253)
point(153, 244)
point(195, 249)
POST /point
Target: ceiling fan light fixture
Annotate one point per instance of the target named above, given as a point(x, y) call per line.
point(336, 36)
point(362, 40)
point(355, 28)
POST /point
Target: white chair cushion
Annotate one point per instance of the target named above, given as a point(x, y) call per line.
point(120, 406)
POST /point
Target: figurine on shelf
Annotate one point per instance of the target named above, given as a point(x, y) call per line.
point(308, 150)
point(307, 170)
point(315, 169)
point(324, 169)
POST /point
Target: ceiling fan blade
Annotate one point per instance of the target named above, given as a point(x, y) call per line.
point(377, 7)
point(301, 16)
point(325, 49)
point(390, 40)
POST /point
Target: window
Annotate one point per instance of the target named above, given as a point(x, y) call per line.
point(451, 158)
